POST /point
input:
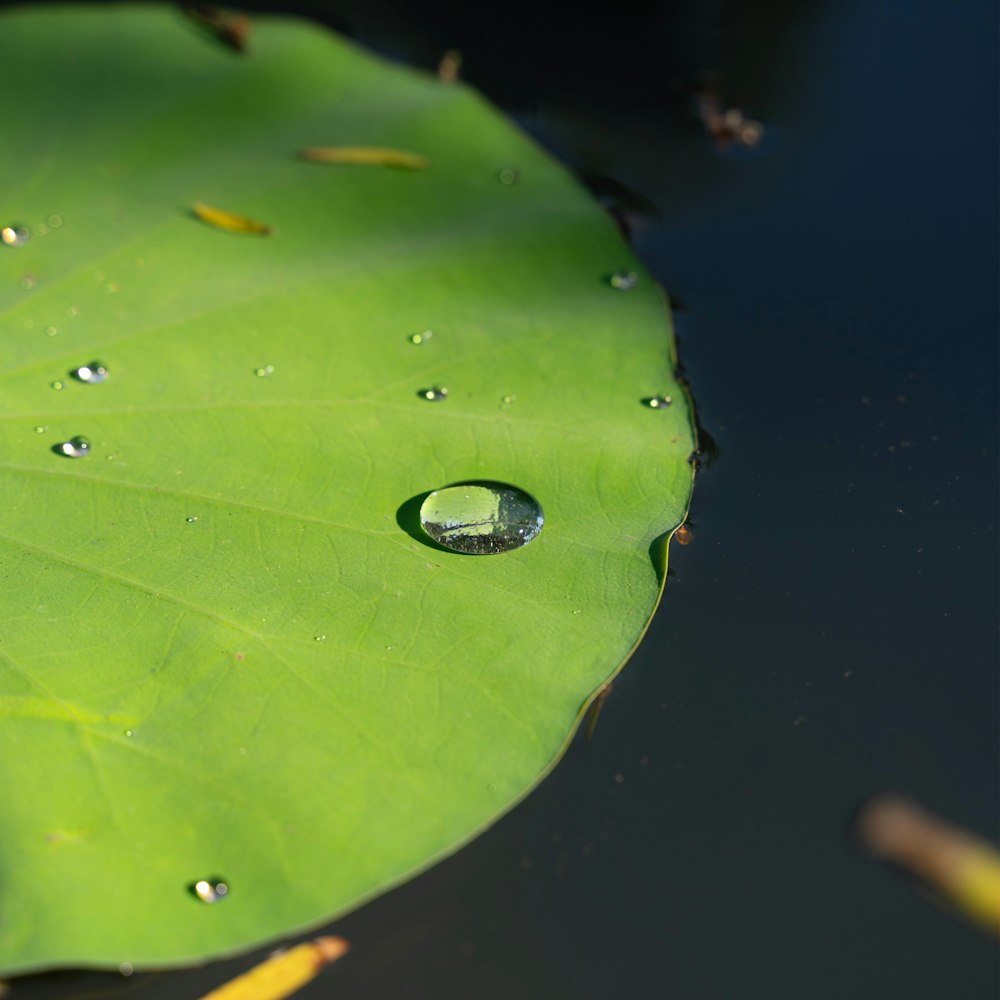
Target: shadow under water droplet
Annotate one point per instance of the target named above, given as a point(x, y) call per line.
point(408, 518)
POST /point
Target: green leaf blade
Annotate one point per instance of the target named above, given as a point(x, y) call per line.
point(226, 653)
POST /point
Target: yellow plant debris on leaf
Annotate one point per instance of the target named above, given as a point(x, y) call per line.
point(229, 221)
point(366, 156)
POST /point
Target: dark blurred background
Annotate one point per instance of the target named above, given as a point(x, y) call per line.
point(831, 630)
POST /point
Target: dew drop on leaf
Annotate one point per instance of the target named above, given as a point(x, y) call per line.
point(435, 393)
point(657, 402)
point(14, 236)
point(57, 385)
point(508, 176)
point(91, 374)
point(76, 447)
point(264, 371)
point(210, 890)
point(623, 280)
point(421, 338)
point(481, 517)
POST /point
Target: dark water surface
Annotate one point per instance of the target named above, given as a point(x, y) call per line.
point(832, 629)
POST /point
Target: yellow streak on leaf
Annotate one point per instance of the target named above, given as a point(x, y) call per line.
point(284, 974)
point(229, 221)
point(366, 156)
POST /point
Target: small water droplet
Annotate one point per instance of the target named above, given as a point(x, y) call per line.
point(55, 221)
point(191, 520)
point(130, 732)
point(388, 648)
point(51, 331)
point(319, 638)
point(91, 374)
point(435, 393)
point(264, 372)
point(623, 280)
point(14, 236)
point(508, 399)
point(77, 447)
point(421, 338)
point(481, 517)
point(27, 281)
point(111, 287)
point(72, 311)
point(657, 402)
point(40, 429)
point(41, 229)
point(508, 176)
point(126, 969)
point(210, 890)
point(57, 385)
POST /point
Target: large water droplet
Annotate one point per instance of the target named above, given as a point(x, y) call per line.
point(435, 393)
point(77, 447)
point(481, 517)
point(210, 890)
point(91, 374)
point(657, 402)
point(14, 236)
point(623, 280)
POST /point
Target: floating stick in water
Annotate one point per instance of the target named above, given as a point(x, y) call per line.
point(962, 869)
point(282, 975)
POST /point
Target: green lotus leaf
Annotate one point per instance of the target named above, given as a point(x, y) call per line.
point(229, 652)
